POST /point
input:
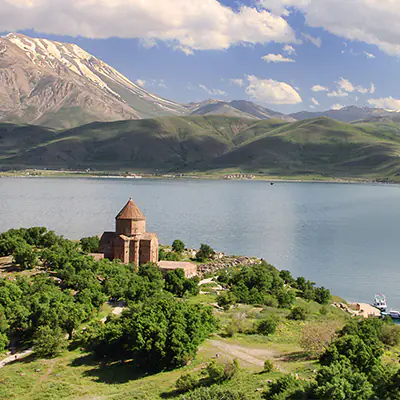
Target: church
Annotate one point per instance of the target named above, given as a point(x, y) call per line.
point(130, 242)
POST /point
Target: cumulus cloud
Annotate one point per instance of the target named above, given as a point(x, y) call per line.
point(319, 88)
point(388, 103)
point(344, 85)
point(141, 82)
point(338, 93)
point(237, 82)
point(212, 92)
point(375, 22)
point(276, 58)
point(337, 106)
point(289, 49)
point(185, 25)
point(268, 91)
point(315, 101)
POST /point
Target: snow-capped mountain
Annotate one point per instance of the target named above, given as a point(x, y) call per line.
point(61, 85)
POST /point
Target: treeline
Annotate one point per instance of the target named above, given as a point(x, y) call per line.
point(70, 287)
point(264, 284)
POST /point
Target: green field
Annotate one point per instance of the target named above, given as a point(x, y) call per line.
point(318, 148)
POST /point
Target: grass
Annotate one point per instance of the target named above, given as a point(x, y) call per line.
point(77, 375)
point(209, 146)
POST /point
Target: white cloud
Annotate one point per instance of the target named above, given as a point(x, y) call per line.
point(141, 82)
point(319, 88)
point(369, 55)
point(268, 91)
point(315, 41)
point(337, 106)
point(315, 101)
point(237, 82)
point(276, 58)
point(212, 92)
point(375, 22)
point(152, 82)
point(289, 49)
point(185, 25)
point(344, 85)
point(388, 103)
point(338, 93)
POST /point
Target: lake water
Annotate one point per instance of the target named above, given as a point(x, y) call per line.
point(342, 236)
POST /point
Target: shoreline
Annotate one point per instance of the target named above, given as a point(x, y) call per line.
point(216, 177)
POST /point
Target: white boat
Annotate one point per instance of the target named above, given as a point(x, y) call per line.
point(380, 302)
point(394, 314)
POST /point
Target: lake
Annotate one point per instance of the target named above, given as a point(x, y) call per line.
point(342, 236)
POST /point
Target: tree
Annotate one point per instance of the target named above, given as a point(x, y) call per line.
point(187, 382)
point(298, 313)
point(287, 277)
point(178, 246)
point(322, 295)
point(48, 341)
point(90, 244)
point(316, 337)
point(204, 253)
point(226, 300)
point(175, 281)
point(267, 326)
point(268, 366)
point(25, 256)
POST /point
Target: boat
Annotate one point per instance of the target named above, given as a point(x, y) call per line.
point(393, 314)
point(380, 302)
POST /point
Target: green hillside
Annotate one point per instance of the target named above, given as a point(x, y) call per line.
point(320, 146)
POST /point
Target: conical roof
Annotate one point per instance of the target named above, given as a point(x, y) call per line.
point(130, 211)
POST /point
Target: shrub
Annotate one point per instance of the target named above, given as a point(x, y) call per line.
point(217, 392)
point(215, 371)
point(48, 342)
point(268, 366)
point(226, 300)
point(90, 244)
point(178, 246)
point(267, 326)
point(299, 313)
point(204, 253)
point(390, 335)
point(25, 256)
point(316, 337)
point(187, 382)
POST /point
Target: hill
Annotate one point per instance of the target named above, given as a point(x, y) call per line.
point(320, 147)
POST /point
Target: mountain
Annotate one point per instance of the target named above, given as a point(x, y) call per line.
point(316, 147)
point(59, 85)
point(345, 114)
point(236, 108)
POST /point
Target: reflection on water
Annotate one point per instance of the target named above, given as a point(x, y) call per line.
point(342, 236)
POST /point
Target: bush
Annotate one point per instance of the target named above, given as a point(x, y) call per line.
point(226, 300)
point(299, 313)
point(204, 253)
point(267, 326)
point(178, 246)
point(187, 382)
point(390, 335)
point(316, 337)
point(25, 256)
point(268, 366)
point(217, 392)
point(90, 244)
point(48, 342)
point(222, 372)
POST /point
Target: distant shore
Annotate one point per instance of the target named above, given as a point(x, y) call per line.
point(234, 176)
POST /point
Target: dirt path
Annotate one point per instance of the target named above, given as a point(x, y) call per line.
point(253, 356)
point(14, 357)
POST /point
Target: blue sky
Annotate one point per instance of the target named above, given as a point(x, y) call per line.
point(192, 50)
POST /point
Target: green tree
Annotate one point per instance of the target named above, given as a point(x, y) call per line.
point(25, 256)
point(322, 295)
point(187, 382)
point(267, 326)
point(178, 246)
point(298, 313)
point(204, 253)
point(90, 244)
point(48, 341)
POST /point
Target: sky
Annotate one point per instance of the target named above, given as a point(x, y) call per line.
point(287, 55)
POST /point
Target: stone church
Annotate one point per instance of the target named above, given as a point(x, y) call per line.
point(130, 242)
